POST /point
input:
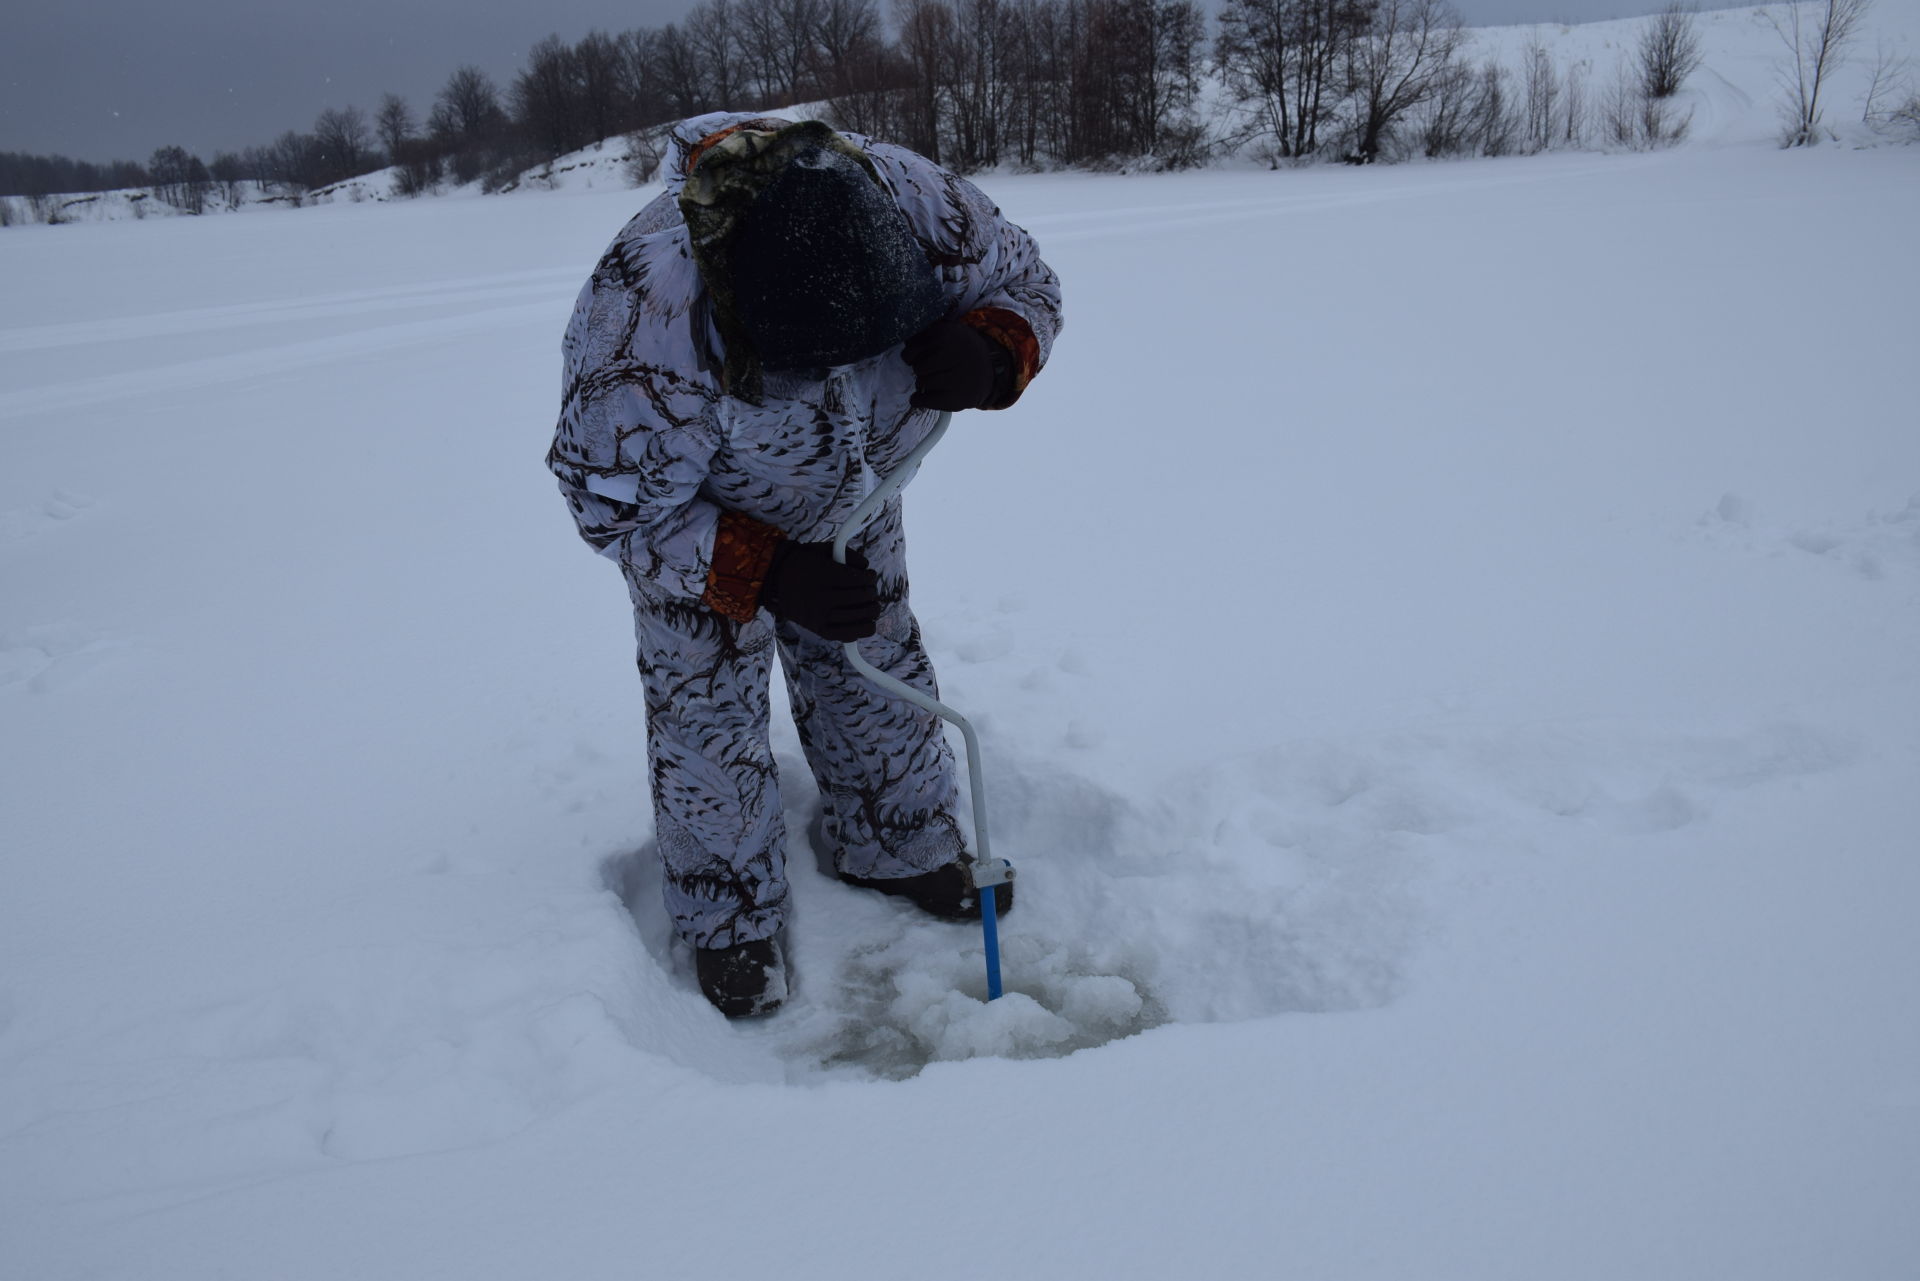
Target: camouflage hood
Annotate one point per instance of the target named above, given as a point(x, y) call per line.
point(807, 260)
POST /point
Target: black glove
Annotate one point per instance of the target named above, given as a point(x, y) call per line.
point(807, 587)
point(955, 366)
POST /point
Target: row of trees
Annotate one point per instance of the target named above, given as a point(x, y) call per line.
point(971, 83)
point(977, 83)
point(26, 175)
point(172, 174)
point(338, 148)
point(1367, 79)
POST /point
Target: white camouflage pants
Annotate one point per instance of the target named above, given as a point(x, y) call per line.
point(882, 766)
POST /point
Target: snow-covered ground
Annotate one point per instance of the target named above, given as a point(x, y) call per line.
point(1447, 644)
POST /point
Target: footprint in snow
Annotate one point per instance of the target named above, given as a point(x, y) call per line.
point(40, 658)
point(27, 523)
point(1877, 547)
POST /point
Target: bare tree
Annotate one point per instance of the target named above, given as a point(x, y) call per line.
point(471, 129)
point(712, 36)
point(929, 43)
point(676, 72)
point(642, 74)
point(1442, 119)
point(847, 47)
point(467, 108)
point(778, 39)
point(1630, 119)
point(1471, 112)
point(1543, 97)
point(974, 83)
point(419, 167)
point(1251, 54)
point(1030, 82)
point(874, 81)
point(606, 107)
point(256, 163)
point(1669, 51)
point(1161, 78)
point(180, 178)
point(1495, 118)
point(48, 209)
point(229, 173)
point(975, 109)
point(394, 125)
point(646, 148)
point(1574, 117)
point(1816, 45)
point(1281, 58)
point(1891, 102)
point(345, 144)
point(1660, 124)
point(1906, 116)
point(547, 98)
point(1620, 112)
point(292, 163)
point(1400, 60)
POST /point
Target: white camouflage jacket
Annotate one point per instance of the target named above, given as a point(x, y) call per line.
point(688, 488)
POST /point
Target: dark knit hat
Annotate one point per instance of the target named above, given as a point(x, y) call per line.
point(807, 258)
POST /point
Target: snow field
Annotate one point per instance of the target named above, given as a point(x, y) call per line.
point(1444, 640)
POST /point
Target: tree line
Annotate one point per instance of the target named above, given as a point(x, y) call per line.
point(971, 83)
point(974, 84)
point(25, 175)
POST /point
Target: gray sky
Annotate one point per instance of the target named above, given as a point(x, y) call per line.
point(115, 79)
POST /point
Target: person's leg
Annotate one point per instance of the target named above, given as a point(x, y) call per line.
point(716, 799)
point(883, 766)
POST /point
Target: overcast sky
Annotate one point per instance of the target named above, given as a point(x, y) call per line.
point(114, 79)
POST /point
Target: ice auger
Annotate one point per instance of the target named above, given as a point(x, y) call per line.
point(987, 870)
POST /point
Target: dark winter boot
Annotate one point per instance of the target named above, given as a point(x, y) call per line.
point(743, 980)
point(946, 892)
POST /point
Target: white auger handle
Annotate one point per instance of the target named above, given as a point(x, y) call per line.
point(987, 870)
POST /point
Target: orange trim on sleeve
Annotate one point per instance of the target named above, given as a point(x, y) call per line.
point(742, 554)
point(1011, 330)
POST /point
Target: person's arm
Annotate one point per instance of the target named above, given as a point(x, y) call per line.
point(637, 433)
point(992, 269)
point(632, 481)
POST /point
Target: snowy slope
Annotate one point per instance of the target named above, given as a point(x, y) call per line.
point(1445, 639)
point(1733, 98)
point(136, 204)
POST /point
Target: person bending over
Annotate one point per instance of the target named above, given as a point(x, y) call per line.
point(760, 345)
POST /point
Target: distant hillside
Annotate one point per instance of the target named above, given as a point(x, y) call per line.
point(1735, 97)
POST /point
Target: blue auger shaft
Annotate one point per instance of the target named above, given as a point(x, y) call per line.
point(990, 931)
point(976, 781)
